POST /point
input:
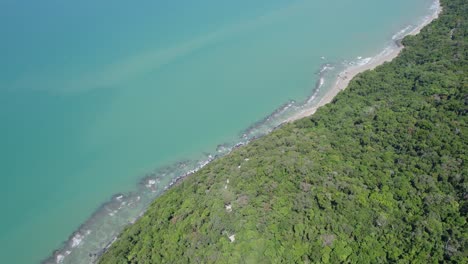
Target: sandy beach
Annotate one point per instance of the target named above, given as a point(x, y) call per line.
point(344, 78)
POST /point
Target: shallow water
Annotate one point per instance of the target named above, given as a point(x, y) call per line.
point(94, 96)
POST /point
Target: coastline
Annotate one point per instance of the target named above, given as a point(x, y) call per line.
point(305, 185)
point(152, 184)
point(344, 78)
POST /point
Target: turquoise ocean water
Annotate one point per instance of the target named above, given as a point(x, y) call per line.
point(104, 103)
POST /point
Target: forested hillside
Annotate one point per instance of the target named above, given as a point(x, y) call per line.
point(378, 175)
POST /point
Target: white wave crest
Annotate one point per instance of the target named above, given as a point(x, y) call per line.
point(76, 240)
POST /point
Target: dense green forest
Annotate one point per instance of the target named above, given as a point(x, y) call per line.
point(378, 175)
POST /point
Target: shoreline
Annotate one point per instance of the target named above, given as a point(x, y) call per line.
point(151, 183)
point(344, 78)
